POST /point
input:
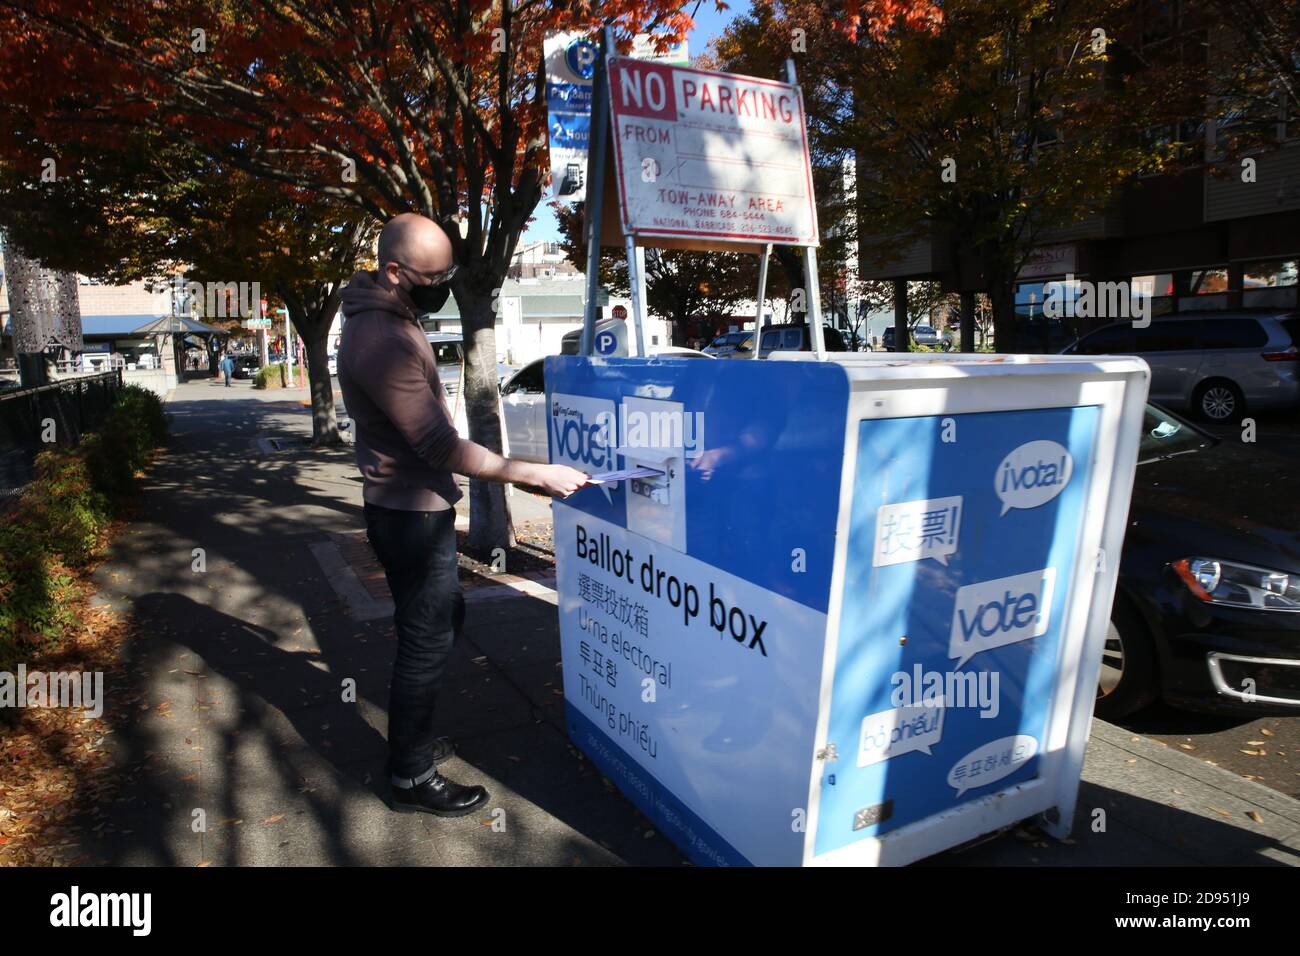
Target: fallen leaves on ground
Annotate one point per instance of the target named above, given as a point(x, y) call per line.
point(55, 769)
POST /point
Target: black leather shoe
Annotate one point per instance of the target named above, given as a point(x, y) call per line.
point(439, 796)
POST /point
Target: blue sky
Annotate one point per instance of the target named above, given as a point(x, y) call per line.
point(708, 24)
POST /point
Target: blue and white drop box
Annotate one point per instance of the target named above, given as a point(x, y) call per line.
point(859, 618)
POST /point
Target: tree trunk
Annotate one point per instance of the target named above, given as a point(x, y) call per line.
point(324, 424)
point(489, 513)
point(1002, 301)
point(901, 343)
point(967, 322)
point(314, 328)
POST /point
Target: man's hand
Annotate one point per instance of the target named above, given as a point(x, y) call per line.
point(559, 481)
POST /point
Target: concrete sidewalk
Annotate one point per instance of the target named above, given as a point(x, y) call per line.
point(236, 706)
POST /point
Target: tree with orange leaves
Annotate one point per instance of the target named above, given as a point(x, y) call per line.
point(436, 106)
point(385, 105)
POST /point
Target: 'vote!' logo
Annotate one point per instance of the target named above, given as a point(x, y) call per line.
point(1003, 611)
point(582, 432)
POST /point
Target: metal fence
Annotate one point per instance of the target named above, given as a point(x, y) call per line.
point(33, 419)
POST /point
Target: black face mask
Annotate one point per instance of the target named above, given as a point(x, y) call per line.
point(430, 298)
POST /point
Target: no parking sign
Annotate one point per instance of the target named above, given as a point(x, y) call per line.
point(710, 156)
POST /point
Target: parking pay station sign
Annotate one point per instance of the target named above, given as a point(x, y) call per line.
point(713, 156)
point(570, 65)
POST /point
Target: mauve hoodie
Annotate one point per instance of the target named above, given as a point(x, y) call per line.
point(407, 445)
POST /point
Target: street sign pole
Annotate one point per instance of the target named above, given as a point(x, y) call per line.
point(596, 188)
point(288, 350)
point(763, 258)
point(814, 312)
point(636, 282)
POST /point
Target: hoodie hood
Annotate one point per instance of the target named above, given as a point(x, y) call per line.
point(365, 294)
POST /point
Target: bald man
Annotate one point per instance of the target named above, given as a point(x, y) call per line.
point(409, 452)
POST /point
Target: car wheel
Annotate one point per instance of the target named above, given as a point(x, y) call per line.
point(1219, 401)
point(1127, 681)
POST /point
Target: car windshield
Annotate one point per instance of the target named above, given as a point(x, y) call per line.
point(1164, 434)
point(730, 338)
point(446, 353)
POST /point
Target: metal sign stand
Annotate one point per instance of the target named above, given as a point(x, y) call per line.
point(596, 189)
point(814, 312)
point(636, 281)
point(763, 258)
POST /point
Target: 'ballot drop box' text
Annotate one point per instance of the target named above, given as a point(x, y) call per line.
point(857, 614)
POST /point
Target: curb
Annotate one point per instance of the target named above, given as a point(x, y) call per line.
point(1236, 787)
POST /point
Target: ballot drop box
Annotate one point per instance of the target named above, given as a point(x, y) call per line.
point(847, 611)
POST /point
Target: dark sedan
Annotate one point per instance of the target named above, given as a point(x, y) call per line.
point(1207, 614)
point(246, 366)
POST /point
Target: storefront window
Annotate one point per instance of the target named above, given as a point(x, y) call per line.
point(1031, 296)
point(1270, 275)
point(1271, 284)
point(1208, 282)
point(1154, 286)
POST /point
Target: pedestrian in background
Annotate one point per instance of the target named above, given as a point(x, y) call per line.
point(228, 367)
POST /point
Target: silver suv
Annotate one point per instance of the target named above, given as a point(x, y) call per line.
point(1218, 364)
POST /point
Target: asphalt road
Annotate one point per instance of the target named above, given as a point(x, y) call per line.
point(1276, 432)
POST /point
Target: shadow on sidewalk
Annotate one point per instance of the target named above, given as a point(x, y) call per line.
point(287, 706)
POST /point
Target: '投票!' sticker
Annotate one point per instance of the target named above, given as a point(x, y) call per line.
point(913, 530)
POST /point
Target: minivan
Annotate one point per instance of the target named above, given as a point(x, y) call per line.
point(1217, 364)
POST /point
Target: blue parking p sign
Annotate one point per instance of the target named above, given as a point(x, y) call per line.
point(606, 343)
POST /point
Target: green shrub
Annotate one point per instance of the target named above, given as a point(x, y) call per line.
point(147, 408)
point(133, 428)
point(60, 521)
point(269, 376)
point(64, 507)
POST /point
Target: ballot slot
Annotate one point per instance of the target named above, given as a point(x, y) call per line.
point(656, 502)
point(654, 487)
point(656, 498)
point(623, 474)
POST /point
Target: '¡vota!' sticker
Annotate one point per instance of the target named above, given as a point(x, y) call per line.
point(1033, 474)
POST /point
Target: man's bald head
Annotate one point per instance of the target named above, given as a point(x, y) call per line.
point(414, 241)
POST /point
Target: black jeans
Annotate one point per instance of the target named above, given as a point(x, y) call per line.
point(418, 552)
